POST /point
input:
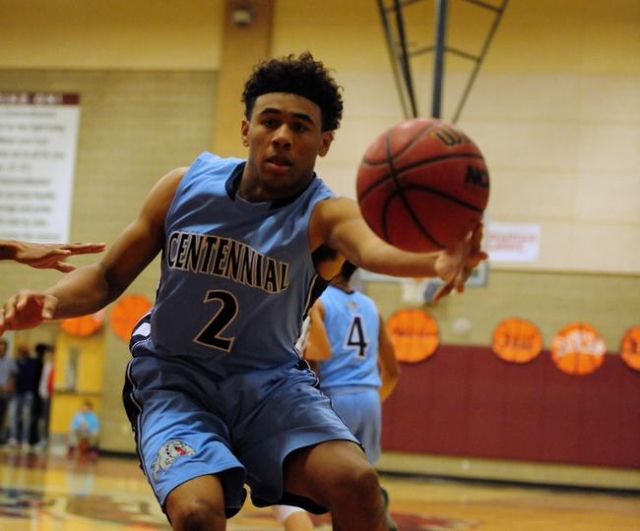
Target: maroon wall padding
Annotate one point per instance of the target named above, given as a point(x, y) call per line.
point(465, 401)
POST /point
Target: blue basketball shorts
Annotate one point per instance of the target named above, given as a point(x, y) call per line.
point(188, 424)
point(360, 409)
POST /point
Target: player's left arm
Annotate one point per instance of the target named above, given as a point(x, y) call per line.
point(338, 224)
point(387, 362)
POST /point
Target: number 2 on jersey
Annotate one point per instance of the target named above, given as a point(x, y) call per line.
point(211, 334)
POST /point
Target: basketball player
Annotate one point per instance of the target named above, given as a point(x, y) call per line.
point(216, 392)
point(357, 371)
point(46, 255)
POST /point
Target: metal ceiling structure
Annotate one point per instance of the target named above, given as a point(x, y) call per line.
point(401, 51)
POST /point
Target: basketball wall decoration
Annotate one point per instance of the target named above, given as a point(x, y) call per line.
point(126, 312)
point(578, 349)
point(630, 347)
point(414, 333)
point(84, 325)
point(516, 340)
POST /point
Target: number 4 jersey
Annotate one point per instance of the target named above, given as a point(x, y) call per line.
point(353, 324)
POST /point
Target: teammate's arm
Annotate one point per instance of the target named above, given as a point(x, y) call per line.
point(318, 346)
point(387, 362)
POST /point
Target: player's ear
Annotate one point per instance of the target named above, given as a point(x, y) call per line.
point(327, 138)
point(244, 131)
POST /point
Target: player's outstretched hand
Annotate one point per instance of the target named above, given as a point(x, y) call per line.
point(53, 255)
point(454, 265)
point(26, 309)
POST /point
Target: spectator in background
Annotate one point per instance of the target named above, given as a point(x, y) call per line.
point(36, 405)
point(7, 381)
point(42, 398)
point(84, 433)
point(21, 404)
point(46, 255)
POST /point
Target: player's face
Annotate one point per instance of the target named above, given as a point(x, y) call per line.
point(284, 138)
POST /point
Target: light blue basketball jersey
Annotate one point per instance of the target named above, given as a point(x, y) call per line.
point(216, 385)
point(237, 277)
point(353, 325)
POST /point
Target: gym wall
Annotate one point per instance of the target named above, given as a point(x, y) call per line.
point(554, 110)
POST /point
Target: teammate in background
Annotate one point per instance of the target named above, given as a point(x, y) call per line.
point(46, 255)
point(357, 371)
point(216, 392)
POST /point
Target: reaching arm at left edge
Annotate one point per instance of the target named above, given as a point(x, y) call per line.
point(90, 288)
point(46, 255)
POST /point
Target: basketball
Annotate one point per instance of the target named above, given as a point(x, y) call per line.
point(422, 185)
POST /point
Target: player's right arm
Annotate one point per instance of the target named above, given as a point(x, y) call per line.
point(90, 288)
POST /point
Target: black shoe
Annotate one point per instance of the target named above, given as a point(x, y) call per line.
point(391, 525)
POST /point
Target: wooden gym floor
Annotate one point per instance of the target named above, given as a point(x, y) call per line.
point(43, 492)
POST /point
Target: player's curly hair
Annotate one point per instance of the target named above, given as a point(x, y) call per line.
point(301, 75)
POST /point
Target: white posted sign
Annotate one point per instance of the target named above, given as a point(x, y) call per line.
point(513, 242)
point(38, 140)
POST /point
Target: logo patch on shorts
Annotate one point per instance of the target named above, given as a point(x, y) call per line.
point(169, 452)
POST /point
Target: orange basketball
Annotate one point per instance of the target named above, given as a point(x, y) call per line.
point(422, 185)
point(578, 349)
point(414, 334)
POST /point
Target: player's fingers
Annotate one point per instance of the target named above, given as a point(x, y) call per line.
point(49, 305)
point(443, 291)
point(64, 267)
point(22, 299)
point(473, 240)
point(474, 259)
point(33, 302)
point(9, 308)
point(462, 277)
point(77, 248)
